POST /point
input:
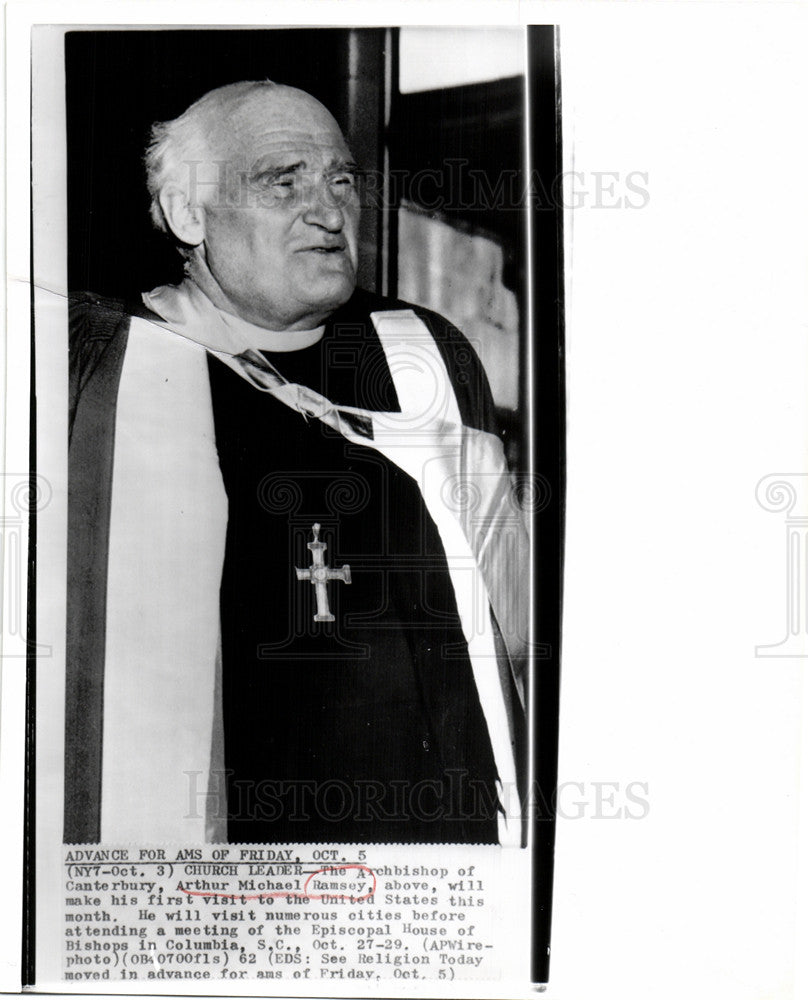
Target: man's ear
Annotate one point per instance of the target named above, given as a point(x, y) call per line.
point(186, 221)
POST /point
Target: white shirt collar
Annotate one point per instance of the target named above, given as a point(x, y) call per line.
point(272, 340)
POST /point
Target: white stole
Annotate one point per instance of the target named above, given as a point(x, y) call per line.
point(166, 550)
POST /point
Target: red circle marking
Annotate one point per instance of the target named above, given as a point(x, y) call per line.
point(295, 895)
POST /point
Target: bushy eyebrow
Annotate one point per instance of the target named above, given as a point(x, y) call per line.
point(271, 173)
point(346, 166)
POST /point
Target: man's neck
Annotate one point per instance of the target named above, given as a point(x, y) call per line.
point(273, 340)
point(267, 336)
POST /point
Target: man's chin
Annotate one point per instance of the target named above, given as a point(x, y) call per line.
point(330, 293)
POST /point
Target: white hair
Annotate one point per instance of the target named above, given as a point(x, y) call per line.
point(172, 144)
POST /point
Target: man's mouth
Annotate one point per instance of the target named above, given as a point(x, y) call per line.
point(336, 248)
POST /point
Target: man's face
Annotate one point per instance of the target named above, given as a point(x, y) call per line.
point(281, 237)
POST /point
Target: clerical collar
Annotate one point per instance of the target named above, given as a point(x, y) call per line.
point(282, 341)
point(187, 311)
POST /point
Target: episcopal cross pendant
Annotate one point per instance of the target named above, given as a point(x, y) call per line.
point(318, 574)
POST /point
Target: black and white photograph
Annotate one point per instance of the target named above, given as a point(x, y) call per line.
point(299, 558)
point(302, 484)
point(404, 499)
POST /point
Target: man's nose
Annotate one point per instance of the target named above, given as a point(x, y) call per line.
point(323, 209)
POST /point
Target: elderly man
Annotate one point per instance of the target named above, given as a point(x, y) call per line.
point(297, 574)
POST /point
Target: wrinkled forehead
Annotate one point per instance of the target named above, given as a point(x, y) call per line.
point(274, 122)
